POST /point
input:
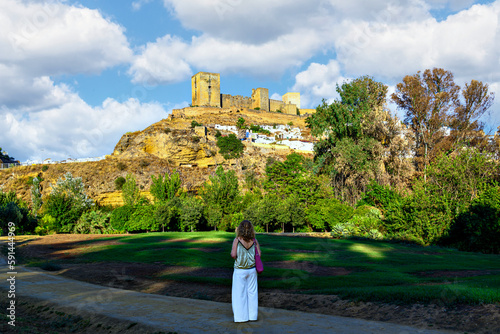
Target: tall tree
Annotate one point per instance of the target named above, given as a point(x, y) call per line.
point(164, 189)
point(358, 138)
point(221, 195)
point(465, 124)
point(426, 100)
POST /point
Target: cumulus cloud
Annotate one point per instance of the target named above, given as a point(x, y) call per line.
point(161, 62)
point(53, 38)
point(40, 40)
point(75, 129)
point(317, 82)
point(464, 43)
point(43, 39)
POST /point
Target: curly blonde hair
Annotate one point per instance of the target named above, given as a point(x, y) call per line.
point(246, 230)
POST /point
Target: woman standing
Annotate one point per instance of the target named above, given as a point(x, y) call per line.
point(244, 293)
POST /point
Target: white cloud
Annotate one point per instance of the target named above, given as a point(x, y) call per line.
point(463, 43)
point(161, 62)
point(171, 60)
point(137, 5)
point(53, 38)
point(318, 82)
point(74, 129)
point(249, 22)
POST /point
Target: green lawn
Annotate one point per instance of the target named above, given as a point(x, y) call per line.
point(370, 270)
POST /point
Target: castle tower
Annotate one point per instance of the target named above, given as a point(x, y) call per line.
point(292, 98)
point(205, 88)
point(260, 99)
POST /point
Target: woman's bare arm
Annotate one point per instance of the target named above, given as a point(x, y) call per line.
point(234, 252)
point(258, 247)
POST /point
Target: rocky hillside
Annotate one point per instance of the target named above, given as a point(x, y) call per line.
point(170, 144)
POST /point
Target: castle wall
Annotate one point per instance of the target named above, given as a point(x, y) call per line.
point(275, 105)
point(260, 99)
point(289, 109)
point(238, 101)
point(307, 111)
point(205, 89)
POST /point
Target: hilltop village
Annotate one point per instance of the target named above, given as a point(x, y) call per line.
point(208, 100)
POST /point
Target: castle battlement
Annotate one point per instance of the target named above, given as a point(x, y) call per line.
point(205, 89)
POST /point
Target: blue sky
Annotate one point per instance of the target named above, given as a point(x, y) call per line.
point(76, 75)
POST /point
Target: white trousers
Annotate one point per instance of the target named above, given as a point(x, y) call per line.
point(245, 298)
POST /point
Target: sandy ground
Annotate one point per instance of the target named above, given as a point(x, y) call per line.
point(143, 277)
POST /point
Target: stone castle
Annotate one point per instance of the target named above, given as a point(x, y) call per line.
point(205, 89)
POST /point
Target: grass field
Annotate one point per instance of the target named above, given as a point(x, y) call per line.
point(354, 269)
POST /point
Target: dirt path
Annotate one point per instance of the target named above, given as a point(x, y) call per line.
point(484, 319)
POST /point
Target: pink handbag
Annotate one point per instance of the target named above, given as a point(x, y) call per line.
point(258, 262)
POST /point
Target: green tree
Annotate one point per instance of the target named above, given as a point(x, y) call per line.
point(14, 210)
point(291, 177)
point(67, 201)
point(240, 124)
point(130, 191)
point(191, 213)
point(221, 194)
point(328, 213)
point(358, 138)
point(291, 212)
point(143, 219)
point(230, 146)
point(120, 217)
point(167, 214)
point(165, 189)
point(64, 210)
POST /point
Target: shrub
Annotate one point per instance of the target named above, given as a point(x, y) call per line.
point(195, 124)
point(240, 124)
point(366, 218)
point(19, 215)
point(344, 230)
point(130, 191)
point(120, 217)
point(144, 163)
point(94, 222)
point(119, 182)
point(45, 168)
point(9, 197)
point(478, 229)
point(143, 219)
point(259, 129)
point(64, 210)
point(47, 225)
point(230, 147)
point(67, 201)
